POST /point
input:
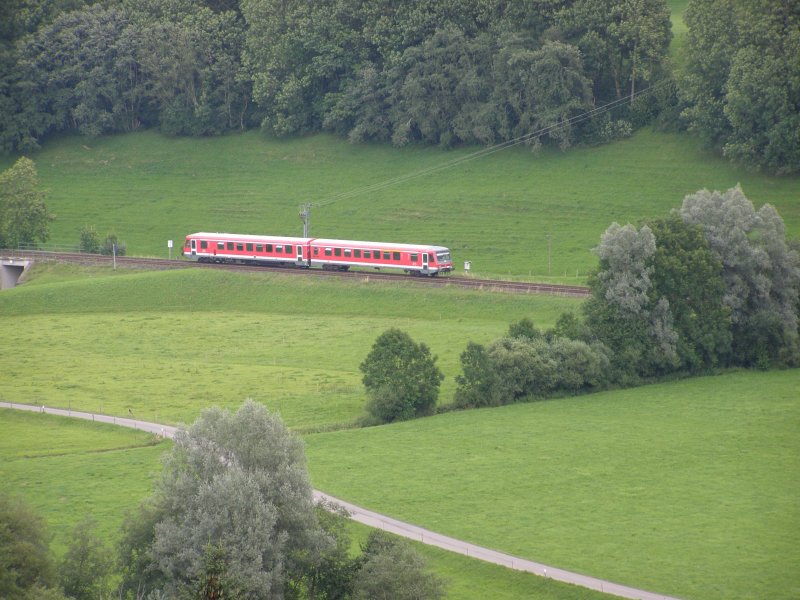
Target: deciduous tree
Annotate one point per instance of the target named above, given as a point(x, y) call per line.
point(391, 570)
point(24, 218)
point(741, 84)
point(760, 271)
point(25, 560)
point(85, 571)
point(401, 377)
point(237, 482)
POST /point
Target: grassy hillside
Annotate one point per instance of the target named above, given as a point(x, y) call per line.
point(687, 488)
point(69, 468)
point(167, 344)
point(513, 212)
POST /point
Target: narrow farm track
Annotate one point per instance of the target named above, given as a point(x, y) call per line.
point(573, 291)
point(391, 525)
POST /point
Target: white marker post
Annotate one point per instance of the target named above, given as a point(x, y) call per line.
point(169, 245)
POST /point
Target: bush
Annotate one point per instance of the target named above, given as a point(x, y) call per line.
point(401, 378)
point(90, 240)
point(514, 368)
point(108, 246)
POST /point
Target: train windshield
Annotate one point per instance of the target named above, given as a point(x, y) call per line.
point(443, 257)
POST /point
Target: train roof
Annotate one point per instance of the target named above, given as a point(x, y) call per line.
point(319, 241)
point(378, 245)
point(252, 238)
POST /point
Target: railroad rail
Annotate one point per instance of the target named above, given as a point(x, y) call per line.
point(573, 291)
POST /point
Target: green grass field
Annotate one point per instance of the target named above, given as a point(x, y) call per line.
point(512, 213)
point(68, 468)
point(167, 344)
point(688, 488)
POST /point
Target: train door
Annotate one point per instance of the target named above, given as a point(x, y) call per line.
point(299, 255)
point(194, 247)
point(425, 262)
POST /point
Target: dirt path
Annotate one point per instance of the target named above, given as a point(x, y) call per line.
point(391, 525)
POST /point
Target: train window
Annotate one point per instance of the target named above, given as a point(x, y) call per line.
point(186, 245)
point(432, 257)
point(386, 255)
point(337, 251)
point(347, 251)
point(396, 256)
point(278, 248)
point(240, 247)
point(328, 251)
point(288, 249)
point(414, 257)
point(269, 247)
point(316, 251)
point(230, 245)
point(259, 247)
point(220, 245)
point(203, 244)
point(357, 253)
point(249, 247)
point(367, 253)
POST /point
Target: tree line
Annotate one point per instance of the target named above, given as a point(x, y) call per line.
point(714, 285)
point(443, 72)
point(232, 516)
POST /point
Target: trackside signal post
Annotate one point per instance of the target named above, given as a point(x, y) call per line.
point(305, 216)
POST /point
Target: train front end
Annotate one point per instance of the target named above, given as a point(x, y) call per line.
point(444, 262)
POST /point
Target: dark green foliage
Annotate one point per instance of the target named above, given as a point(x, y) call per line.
point(139, 575)
point(112, 245)
point(90, 240)
point(103, 69)
point(569, 326)
point(447, 72)
point(401, 378)
point(85, 571)
point(741, 83)
point(713, 285)
point(524, 328)
point(330, 578)
point(24, 218)
point(761, 273)
point(657, 300)
point(478, 380)
point(689, 277)
point(213, 582)
point(390, 569)
point(517, 368)
point(25, 561)
point(441, 71)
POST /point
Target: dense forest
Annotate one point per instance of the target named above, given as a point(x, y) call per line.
point(443, 72)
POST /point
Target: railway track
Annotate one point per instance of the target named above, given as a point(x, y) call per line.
point(573, 291)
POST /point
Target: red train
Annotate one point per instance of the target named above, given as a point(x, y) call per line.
point(338, 255)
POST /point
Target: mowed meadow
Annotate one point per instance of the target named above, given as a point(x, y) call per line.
point(511, 213)
point(687, 488)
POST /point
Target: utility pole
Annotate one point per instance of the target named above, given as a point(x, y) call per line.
point(305, 216)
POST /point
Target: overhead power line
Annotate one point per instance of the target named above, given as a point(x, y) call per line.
point(485, 151)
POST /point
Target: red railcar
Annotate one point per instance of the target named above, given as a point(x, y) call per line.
point(332, 254)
